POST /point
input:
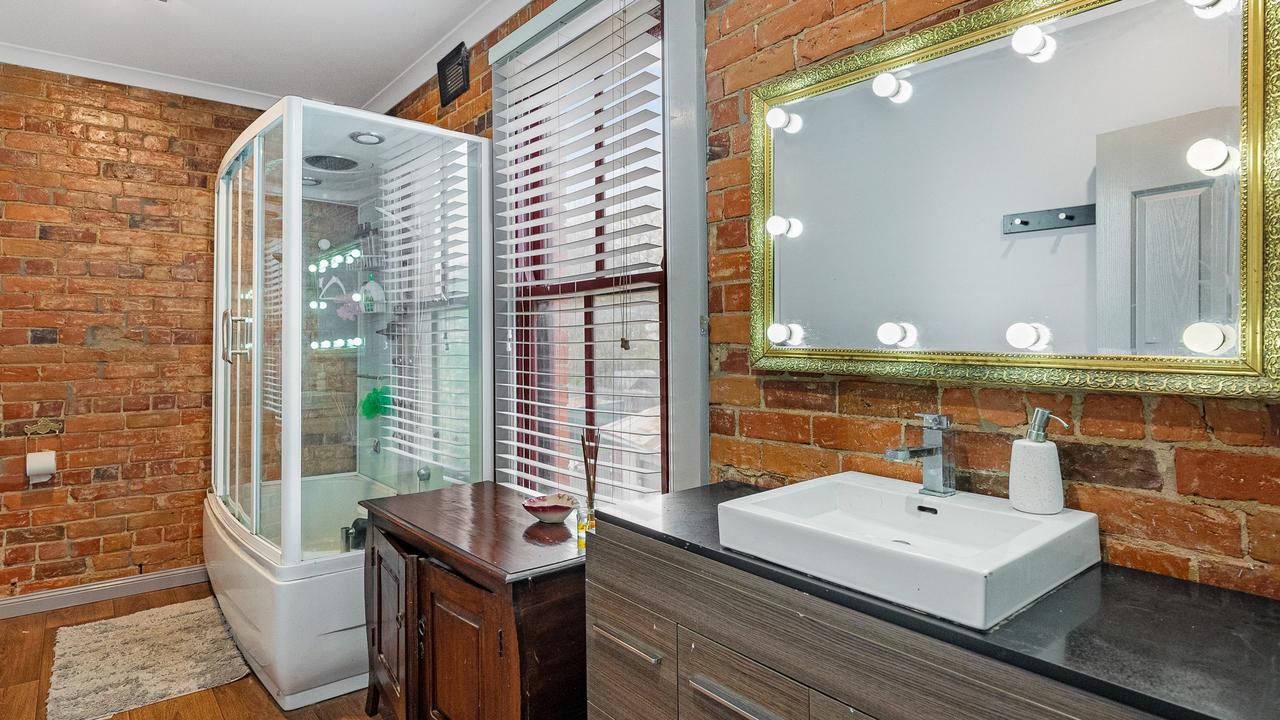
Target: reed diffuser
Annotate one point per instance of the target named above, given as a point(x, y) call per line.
point(590, 441)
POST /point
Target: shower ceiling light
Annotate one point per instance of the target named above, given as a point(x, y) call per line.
point(308, 181)
point(366, 137)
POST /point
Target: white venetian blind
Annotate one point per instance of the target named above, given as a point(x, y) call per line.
point(422, 252)
point(579, 256)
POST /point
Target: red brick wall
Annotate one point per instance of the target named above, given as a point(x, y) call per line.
point(1183, 486)
point(106, 238)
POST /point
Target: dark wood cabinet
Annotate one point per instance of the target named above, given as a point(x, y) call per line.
point(390, 573)
point(474, 610)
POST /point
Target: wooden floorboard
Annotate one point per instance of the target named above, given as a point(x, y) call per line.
point(28, 643)
point(23, 640)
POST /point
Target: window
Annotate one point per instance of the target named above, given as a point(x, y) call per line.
point(580, 298)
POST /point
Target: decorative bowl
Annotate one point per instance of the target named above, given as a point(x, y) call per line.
point(553, 508)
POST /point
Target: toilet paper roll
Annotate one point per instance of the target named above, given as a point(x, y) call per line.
point(41, 466)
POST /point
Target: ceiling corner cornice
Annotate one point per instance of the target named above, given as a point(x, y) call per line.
point(136, 77)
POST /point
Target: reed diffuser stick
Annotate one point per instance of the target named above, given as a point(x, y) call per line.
point(590, 440)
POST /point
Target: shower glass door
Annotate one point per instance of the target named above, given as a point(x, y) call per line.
point(239, 489)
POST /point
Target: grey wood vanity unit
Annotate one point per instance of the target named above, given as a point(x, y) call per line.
point(678, 627)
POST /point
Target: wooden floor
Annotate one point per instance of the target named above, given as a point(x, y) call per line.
point(26, 659)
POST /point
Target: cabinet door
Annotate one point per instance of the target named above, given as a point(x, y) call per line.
point(717, 683)
point(631, 658)
point(461, 671)
point(390, 579)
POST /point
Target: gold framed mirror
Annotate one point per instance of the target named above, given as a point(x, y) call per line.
point(1073, 197)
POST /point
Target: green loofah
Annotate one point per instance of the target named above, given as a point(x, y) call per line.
point(377, 402)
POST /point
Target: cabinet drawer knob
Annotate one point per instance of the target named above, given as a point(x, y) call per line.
point(633, 648)
point(724, 698)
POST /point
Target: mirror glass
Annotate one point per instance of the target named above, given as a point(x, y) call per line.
point(1072, 189)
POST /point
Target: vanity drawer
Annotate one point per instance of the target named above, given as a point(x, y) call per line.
point(631, 658)
point(717, 683)
point(822, 707)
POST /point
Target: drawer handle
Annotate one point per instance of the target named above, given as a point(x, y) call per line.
point(650, 658)
point(727, 700)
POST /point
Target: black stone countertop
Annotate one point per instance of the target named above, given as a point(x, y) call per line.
point(1166, 646)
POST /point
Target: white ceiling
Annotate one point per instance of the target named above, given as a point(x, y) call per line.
point(362, 53)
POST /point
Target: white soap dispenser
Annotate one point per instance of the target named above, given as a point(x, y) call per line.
point(1035, 477)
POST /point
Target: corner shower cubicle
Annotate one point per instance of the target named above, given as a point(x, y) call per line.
point(350, 328)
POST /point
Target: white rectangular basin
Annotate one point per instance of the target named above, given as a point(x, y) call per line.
point(968, 558)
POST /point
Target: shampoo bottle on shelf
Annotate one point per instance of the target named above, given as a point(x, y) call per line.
point(1035, 477)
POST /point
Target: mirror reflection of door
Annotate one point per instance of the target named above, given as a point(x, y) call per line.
point(1168, 237)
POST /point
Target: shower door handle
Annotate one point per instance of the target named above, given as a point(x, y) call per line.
point(229, 322)
point(226, 335)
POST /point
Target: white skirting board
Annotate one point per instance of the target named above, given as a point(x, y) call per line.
point(107, 590)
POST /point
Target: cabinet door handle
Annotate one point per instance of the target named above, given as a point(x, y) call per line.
point(651, 658)
point(727, 700)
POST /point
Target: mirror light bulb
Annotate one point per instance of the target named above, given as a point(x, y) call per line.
point(795, 334)
point(324, 265)
point(313, 304)
point(356, 297)
point(777, 333)
point(355, 253)
point(312, 267)
point(888, 85)
point(356, 342)
point(1209, 9)
point(1213, 157)
point(778, 225)
point(789, 334)
point(350, 260)
point(1033, 42)
point(323, 305)
point(1028, 336)
point(897, 333)
point(339, 343)
point(780, 119)
point(325, 344)
point(315, 345)
point(1208, 338)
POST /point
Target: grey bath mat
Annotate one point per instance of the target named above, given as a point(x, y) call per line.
point(105, 667)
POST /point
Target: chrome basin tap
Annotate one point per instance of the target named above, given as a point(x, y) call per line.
point(939, 463)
